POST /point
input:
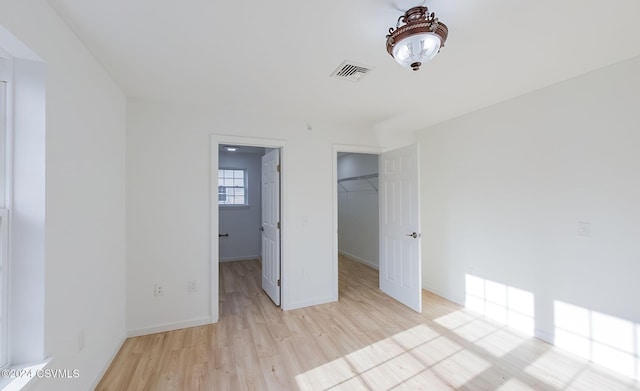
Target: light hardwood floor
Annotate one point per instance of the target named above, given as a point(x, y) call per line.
point(366, 340)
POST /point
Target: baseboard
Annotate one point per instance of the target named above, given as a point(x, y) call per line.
point(161, 328)
point(242, 258)
point(454, 299)
point(358, 259)
point(544, 336)
point(106, 366)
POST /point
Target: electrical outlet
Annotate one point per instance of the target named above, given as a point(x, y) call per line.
point(158, 290)
point(192, 286)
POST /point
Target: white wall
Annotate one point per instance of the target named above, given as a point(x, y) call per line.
point(84, 156)
point(242, 223)
point(168, 179)
point(358, 208)
point(503, 190)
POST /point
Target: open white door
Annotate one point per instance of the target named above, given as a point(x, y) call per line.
point(271, 225)
point(400, 263)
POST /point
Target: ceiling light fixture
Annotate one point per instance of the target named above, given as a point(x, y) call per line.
point(418, 40)
point(229, 148)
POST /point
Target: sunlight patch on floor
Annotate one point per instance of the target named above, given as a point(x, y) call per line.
point(461, 367)
point(559, 369)
point(414, 355)
point(514, 385)
point(501, 342)
point(476, 330)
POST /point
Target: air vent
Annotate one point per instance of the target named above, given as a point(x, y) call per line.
point(351, 71)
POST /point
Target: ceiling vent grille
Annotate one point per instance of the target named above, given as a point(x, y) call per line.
point(351, 71)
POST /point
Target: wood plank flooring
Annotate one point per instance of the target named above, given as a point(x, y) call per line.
point(365, 341)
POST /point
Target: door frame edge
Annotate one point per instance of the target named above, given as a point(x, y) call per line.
point(215, 140)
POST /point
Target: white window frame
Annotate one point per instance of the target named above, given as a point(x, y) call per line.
point(4, 283)
point(5, 164)
point(244, 187)
point(3, 140)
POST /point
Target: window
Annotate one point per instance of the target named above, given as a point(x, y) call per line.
point(232, 186)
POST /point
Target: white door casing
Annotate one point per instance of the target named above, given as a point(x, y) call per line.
point(400, 261)
point(271, 225)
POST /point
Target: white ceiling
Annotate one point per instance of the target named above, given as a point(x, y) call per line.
point(277, 56)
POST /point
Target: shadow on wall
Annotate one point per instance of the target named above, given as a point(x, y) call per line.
point(604, 339)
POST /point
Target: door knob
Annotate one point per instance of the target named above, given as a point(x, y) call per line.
point(413, 235)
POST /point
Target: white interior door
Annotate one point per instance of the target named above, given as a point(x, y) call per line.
point(400, 263)
point(271, 225)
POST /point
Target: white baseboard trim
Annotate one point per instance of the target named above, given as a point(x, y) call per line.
point(161, 328)
point(456, 300)
point(108, 363)
point(544, 336)
point(361, 260)
point(242, 258)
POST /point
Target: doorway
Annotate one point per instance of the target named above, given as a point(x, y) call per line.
point(358, 207)
point(339, 151)
point(399, 243)
point(243, 219)
point(249, 210)
point(239, 202)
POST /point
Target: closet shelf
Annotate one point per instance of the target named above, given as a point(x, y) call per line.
point(371, 180)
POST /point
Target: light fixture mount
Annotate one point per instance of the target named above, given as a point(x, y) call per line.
point(417, 37)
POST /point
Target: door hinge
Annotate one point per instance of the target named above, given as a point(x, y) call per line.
point(278, 282)
point(278, 225)
point(278, 168)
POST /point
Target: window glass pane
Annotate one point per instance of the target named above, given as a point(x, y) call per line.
point(231, 186)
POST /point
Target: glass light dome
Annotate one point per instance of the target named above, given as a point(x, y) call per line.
point(415, 50)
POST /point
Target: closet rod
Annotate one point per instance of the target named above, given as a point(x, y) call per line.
point(355, 178)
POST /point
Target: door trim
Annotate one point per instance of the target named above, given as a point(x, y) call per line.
point(215, 141)
point(334, 186)
point(270, 226)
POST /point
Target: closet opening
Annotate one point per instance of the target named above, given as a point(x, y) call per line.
point(357, 213)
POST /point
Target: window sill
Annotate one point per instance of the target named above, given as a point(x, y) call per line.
point(20, 377)
point(232, 207)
